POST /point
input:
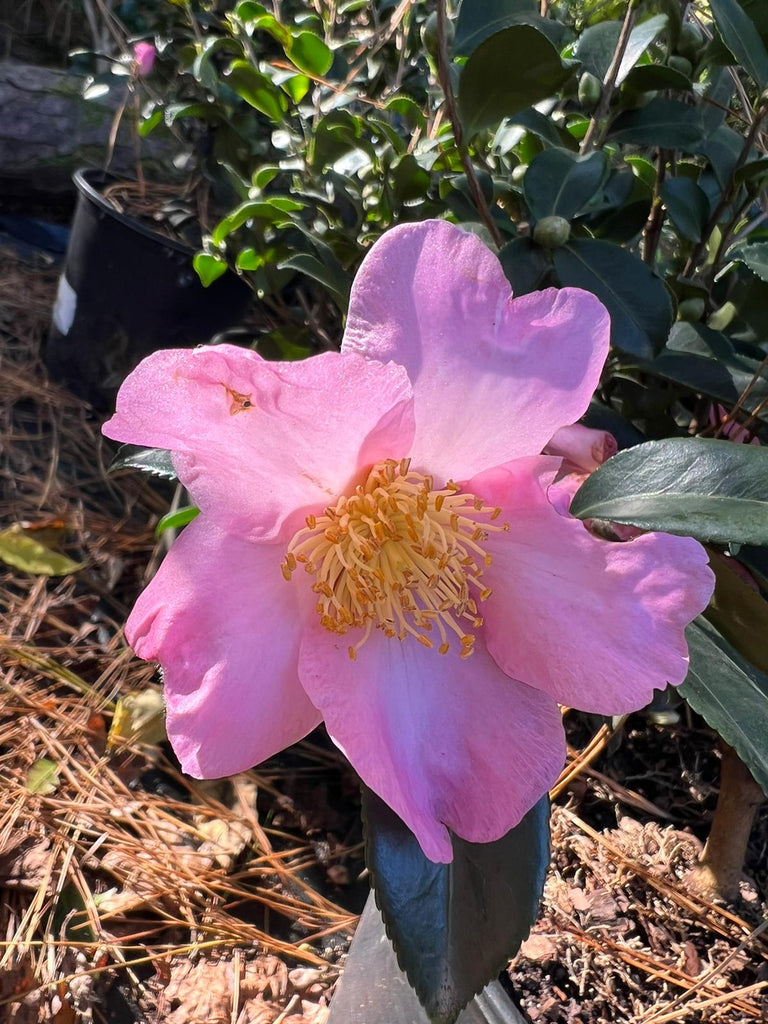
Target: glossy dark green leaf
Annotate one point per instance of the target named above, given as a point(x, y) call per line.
point(257, 90)
point(650, 77)
point(561, 183)
point(706, 362)
point(723, 150)
point(754, 255)
point(597, 45)
point(331, 276)
point(663, 122)
point(730, 694)
point(479, 21)
point(454, 926)
point(156, 461)
point(742, 38)
point(687, 206)
point(410, 182)
point(638, 303)
point(713, 490)
point(515, 68)
point(524, 264)
point(738, 611)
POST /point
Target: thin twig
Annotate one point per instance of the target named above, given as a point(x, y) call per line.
point(595, 132)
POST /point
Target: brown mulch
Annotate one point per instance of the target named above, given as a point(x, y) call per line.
point(130, 893)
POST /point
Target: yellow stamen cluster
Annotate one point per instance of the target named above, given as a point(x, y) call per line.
point(400, 556)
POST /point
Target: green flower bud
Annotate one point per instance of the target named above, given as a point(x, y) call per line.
point(552, 232)
point(590, 90)
point(429, 34)
point(691, 310)
point(690, 41)
point(681, 64)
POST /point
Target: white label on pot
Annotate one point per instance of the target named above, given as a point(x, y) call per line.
point(65, 306)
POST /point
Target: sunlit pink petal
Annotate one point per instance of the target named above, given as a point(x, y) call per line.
point(596, 624)
point(257, 443)
point(493, 377)
point(446, 742)
point(582, 447)
point(223, 624)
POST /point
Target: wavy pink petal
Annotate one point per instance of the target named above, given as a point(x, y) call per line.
point(598, 625)
point(493, 377)
point(223, 623)
point(448, 744)
point(583, 448)
point(258, 443)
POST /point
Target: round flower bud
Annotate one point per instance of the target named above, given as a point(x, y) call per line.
point(429, 34)
point(691, 309)
point(681, 64)
point(690, 41)
point(552, 232)
point(590, 90)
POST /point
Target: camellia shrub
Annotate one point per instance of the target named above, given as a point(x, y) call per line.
point(531, 473)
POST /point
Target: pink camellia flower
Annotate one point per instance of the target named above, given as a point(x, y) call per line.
point(376, 548)
point(144, 56)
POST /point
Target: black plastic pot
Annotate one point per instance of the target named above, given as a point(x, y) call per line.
point(127, 291)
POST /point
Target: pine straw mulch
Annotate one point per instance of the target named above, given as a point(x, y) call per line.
point(129, 893)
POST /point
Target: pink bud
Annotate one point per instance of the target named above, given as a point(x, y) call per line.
point(144, 55)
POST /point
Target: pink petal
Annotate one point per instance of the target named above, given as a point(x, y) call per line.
point(222, 622)
point(493, 377)
point(598, 625)
point(258, 442)
point(582, 447)
point(446, 743)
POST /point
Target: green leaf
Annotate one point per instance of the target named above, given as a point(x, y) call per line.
point(208, 267)
point(524, 265)
point(453, 926)
point(333, 278)
point(273, 211)
point(176, 519)
point(754, 255)
point(730, 694)
point(739, 611)
point(663, 122)
point(410, 182)
point(257, 90)
point(715, 491)
point(561, 183)
point(479, 21)
point(148, 124)
point(706, 362)
point(597, 45)
point(310, 54)
point(687, 206)
point(21, 550)
point(638, 303)
point(515, 68)
point(43, 777)
point(742, 39)
point(650, 77)
point(156, 461)
point(723, 149)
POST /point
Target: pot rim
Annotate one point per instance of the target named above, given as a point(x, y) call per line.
point(83, 179)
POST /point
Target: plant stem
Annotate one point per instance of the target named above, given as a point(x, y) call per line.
point(443, 71)
point(722, 861)
point(595, 132)
point(652, 229)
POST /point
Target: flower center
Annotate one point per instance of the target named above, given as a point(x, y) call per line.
point(400, 556)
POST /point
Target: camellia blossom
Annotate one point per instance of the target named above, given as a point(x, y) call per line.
point(377, 547)
point(144, 56)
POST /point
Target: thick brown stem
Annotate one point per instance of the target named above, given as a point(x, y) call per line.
point(722, 862)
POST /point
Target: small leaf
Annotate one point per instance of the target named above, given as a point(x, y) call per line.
point(560, 183)
point(310, 54)
point(730, 694)
point(515, 68)
point(687, 206)
point(331, 277)
point(694, 487)
point(453, 926)
point(638, 302)
point(208, 267)
point(156, 461)
point(742, 39)
point(176, 519)
point(22, 551)
point(754, 255)
point(257, 90)
point(597, 45)
point(139, 718)
point(43, 777)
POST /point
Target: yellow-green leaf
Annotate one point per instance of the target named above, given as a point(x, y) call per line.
point(139, 718)
point(22, 551)
point(43, 777)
